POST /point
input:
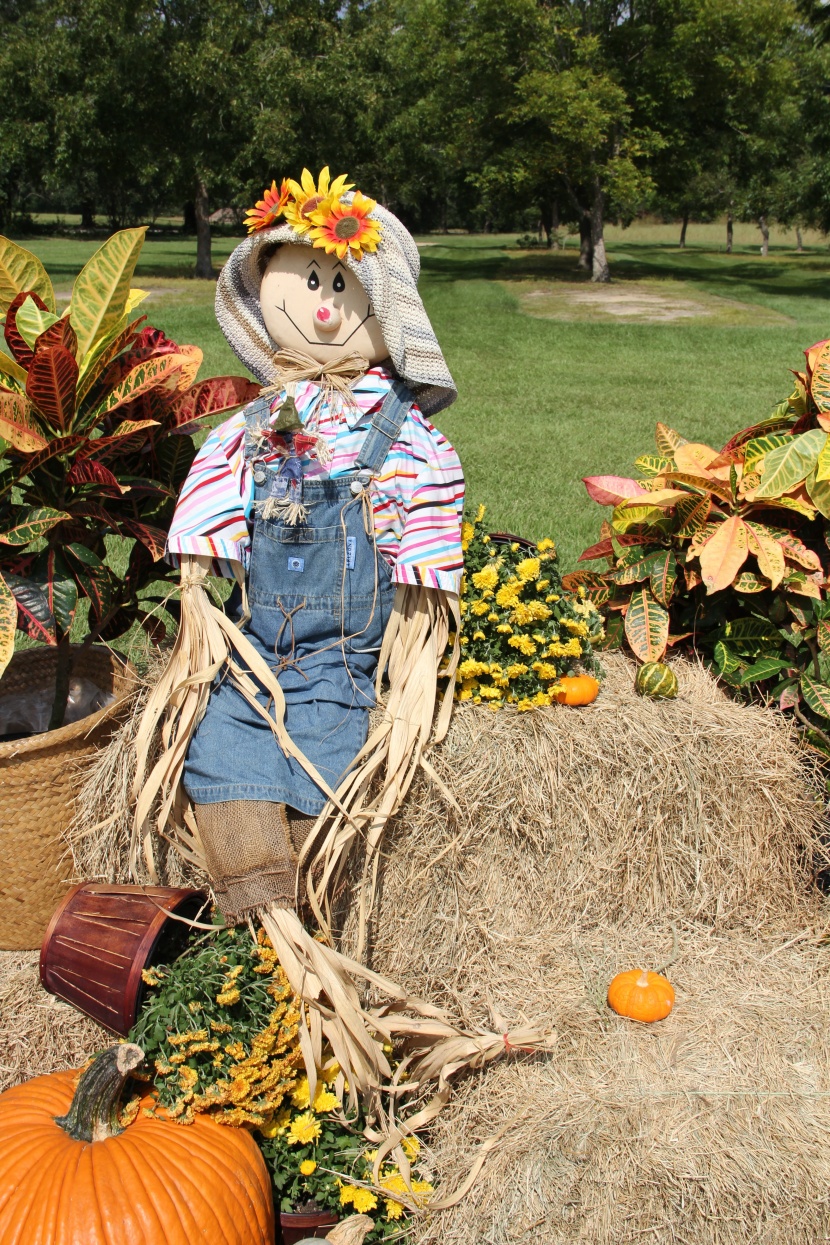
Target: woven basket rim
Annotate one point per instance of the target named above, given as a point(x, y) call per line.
point(84, 726)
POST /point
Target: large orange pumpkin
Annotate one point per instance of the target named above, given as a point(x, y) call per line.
point(641, 995)
point(576, 689)
point(70, 1175)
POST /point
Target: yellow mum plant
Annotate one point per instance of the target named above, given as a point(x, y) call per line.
point(521, 631)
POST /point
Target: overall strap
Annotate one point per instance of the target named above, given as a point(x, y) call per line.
point(386, 424)
point(257, 415)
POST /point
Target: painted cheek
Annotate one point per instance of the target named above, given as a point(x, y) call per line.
point(323, 315)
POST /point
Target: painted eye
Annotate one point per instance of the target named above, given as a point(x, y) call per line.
point(339, 283)
point(313, 281)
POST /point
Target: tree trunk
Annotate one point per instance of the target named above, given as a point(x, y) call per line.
point(683, 229)
point(554, 228)
point(204, 267)
point(798, 240)
point(600, 272)
point(87, 215)
point(729, 233)
point(63, 674)
point(586, 246)
point(189, 217)
point(764, 227)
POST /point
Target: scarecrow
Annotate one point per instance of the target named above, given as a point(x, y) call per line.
point(335, 506)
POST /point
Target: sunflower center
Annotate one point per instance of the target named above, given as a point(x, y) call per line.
point(311, 205)
point(346, 228)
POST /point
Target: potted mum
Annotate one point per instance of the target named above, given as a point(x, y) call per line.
point(96, 412)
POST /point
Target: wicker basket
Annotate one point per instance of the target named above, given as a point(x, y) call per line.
point(39, 779)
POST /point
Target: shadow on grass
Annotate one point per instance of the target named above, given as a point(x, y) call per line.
point(784, 275)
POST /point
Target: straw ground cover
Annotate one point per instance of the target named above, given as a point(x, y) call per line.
point(544, 402)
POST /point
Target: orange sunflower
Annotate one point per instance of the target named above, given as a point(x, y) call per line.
point(310, 196)
point(346, 228)
point(269, 208)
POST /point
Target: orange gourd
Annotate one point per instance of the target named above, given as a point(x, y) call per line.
point(641, 995)
point(576, 689)
point(70, 1174)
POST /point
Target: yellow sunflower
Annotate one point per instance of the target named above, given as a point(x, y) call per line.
point(310, 196)
point(269, 208)
point(346, 227)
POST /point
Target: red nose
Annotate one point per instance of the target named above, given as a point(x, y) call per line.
point(323, 314)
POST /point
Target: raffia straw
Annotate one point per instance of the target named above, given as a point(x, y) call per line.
point(334, 377)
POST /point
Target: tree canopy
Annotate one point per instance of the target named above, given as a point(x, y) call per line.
point(480, 114)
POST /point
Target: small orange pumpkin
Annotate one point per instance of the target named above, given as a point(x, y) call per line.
point(576, 689)
point(641, 995)
point(70, 1174)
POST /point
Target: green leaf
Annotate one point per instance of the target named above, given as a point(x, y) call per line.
point(8, 624)
point(668, 440)
point(692, 513)
point(33, 613)
point(31, 524)
point(21, 270)
point(626, 517)
point(823, 464)
point(823, 634)
point(764, 668)
point(19, 425)
point(664, 576)
point(790, 464)
point(652, 465)
point(748, 581)
point(613, 637)
point(817, 695)
point(31, 321)
point(62, 591)
point(727, 662)
point(101, 289)
point(646, 626)
point(144, 376)
point(749, 634)
point(13, 372)
point(759, 447)
point(819, 492)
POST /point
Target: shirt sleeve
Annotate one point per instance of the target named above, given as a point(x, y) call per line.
point(214, 506)
point(431, 485)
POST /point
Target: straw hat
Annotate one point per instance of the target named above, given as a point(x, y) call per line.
point(389, 276)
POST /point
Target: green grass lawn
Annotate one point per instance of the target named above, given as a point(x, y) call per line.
point(558, 379)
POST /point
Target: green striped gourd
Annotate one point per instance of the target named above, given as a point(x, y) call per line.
point(656, 680)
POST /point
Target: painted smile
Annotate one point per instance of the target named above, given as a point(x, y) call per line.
point(315, 341)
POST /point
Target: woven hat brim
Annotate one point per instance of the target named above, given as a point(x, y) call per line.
point(389, 277)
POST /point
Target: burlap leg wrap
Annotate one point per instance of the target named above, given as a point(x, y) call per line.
point(249, 855)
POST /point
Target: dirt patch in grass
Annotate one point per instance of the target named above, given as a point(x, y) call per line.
point(636, 302)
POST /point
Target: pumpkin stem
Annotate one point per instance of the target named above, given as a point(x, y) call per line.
point(93, 1112)
point(642, 980)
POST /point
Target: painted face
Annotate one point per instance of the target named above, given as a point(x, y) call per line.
point(312, 303)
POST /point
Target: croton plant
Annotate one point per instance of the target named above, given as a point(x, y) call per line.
point(96, 414)
point(729, 549)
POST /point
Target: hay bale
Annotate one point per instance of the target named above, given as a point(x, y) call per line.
point(713, 1126)
point(582, 838)
point(39, 1033)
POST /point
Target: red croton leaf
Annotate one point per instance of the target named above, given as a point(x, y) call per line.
point(14, 340)
point(61, 445)
point(90, 472)
point(53, 375)
point(34, 616)
point(211, 397)
point(61, 333)
point(153, 538)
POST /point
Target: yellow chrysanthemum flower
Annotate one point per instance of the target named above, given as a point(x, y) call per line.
point(308, 1167)
point(324, 1100)
point(479, 607)
point(490, 693)
point(394, 1210)
point(278, 1124)
point(523, 643)
point(346, 228)
point(481, 512)
point(546, 544)
point(411, 1147)
point(301, 1096)
point(364, 1200)
point(346, 1194)
point(487, 577)
point(310, 196)
point(505, 628)
point(518, 668)
point(303, 1129)
point(528, 569)
point(478, 635)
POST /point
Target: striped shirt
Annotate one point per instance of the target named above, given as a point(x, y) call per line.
point(417, 498)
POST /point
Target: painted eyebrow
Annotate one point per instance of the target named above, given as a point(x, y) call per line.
point(314, 262)
point(339, 265)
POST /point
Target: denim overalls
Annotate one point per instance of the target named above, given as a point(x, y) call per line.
point(320, 597)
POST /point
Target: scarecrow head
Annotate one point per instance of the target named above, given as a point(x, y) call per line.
point(326, 273)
